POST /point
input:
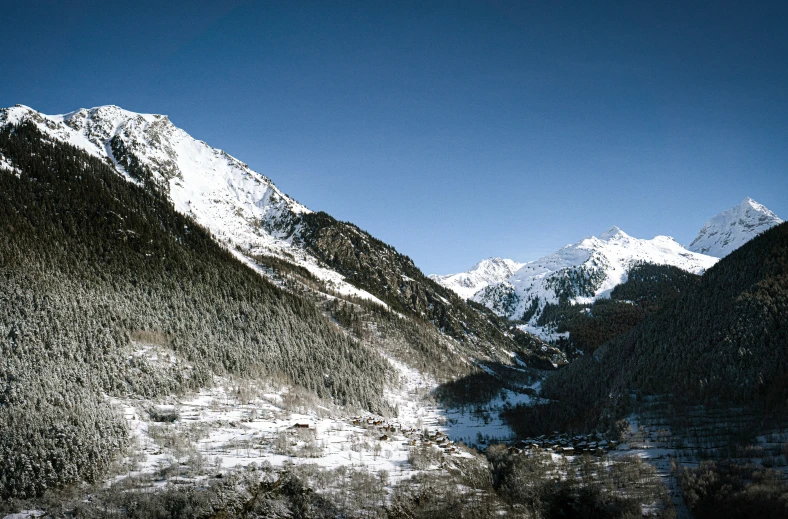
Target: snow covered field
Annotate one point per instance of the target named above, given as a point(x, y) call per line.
point(236, 425)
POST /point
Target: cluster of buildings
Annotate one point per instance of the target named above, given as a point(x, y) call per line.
point(566, 445)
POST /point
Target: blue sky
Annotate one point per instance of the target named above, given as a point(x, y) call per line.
point(454, 131)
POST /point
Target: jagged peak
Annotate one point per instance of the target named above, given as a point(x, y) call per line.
point(494, 261)
point(487, 271)
point(613, 233)
point(730, 229)
point(195, 174)
point(113, 113)
point(749, 203)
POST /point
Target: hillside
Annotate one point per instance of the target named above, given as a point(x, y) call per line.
point(647, 289)
point(246, 212)
point(377, 268)
point(724, 340)
point(109, 291)
point(100, 278)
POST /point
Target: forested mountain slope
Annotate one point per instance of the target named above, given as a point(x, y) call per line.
point(723, 340)
point(95, 274)
point(647, 289)
point(379, 269)
point(247, 212)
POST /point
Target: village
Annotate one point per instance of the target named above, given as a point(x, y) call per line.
point(567, 445)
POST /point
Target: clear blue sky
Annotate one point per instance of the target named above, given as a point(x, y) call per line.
point(453, 131)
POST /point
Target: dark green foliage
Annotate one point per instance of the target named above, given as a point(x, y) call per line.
point(281, 266)
point(648, 288)
point(417, 343)
point(537, 354)
point(561, 315)
point(531, 309)
point(726, 338)
point(734, 491)
point(53, 433)
point(347, 316)
point(130, 163)
point(560, 415)
point(606, 320)
point(582, 488)
point(501, 296)
point(578, 281)
point(93, 268)
point(654, 285)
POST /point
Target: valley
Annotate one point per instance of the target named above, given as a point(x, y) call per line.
point(189, 334)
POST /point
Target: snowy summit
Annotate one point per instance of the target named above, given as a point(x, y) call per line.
point(733, 228)
point(242, 208)
point(219, 191)
point(487, 272)
point(584, 271)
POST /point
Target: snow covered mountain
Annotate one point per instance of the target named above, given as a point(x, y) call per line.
point(584, 271)
point(733, 228)
point(254, 220)
point(487, 272)
point(216, 189)
point(241, 207)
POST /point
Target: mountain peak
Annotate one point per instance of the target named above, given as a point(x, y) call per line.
point(492, 262)
point(749, 203)
point(487, 272)
point(731, 229)
point(217, 190)
point(613, 233)
point(583, 272)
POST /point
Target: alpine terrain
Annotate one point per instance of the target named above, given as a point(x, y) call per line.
point(170, 314)
point(733, 228)
point(581, 273)
point(487, 272)
point(180, 338)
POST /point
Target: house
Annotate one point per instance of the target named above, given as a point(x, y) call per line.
point(301, 426)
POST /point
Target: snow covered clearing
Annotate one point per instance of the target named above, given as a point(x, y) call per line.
point(239, 424)
point(6, 165)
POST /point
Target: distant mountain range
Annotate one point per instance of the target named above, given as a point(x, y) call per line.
point(487, 272)
point(591, 268)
